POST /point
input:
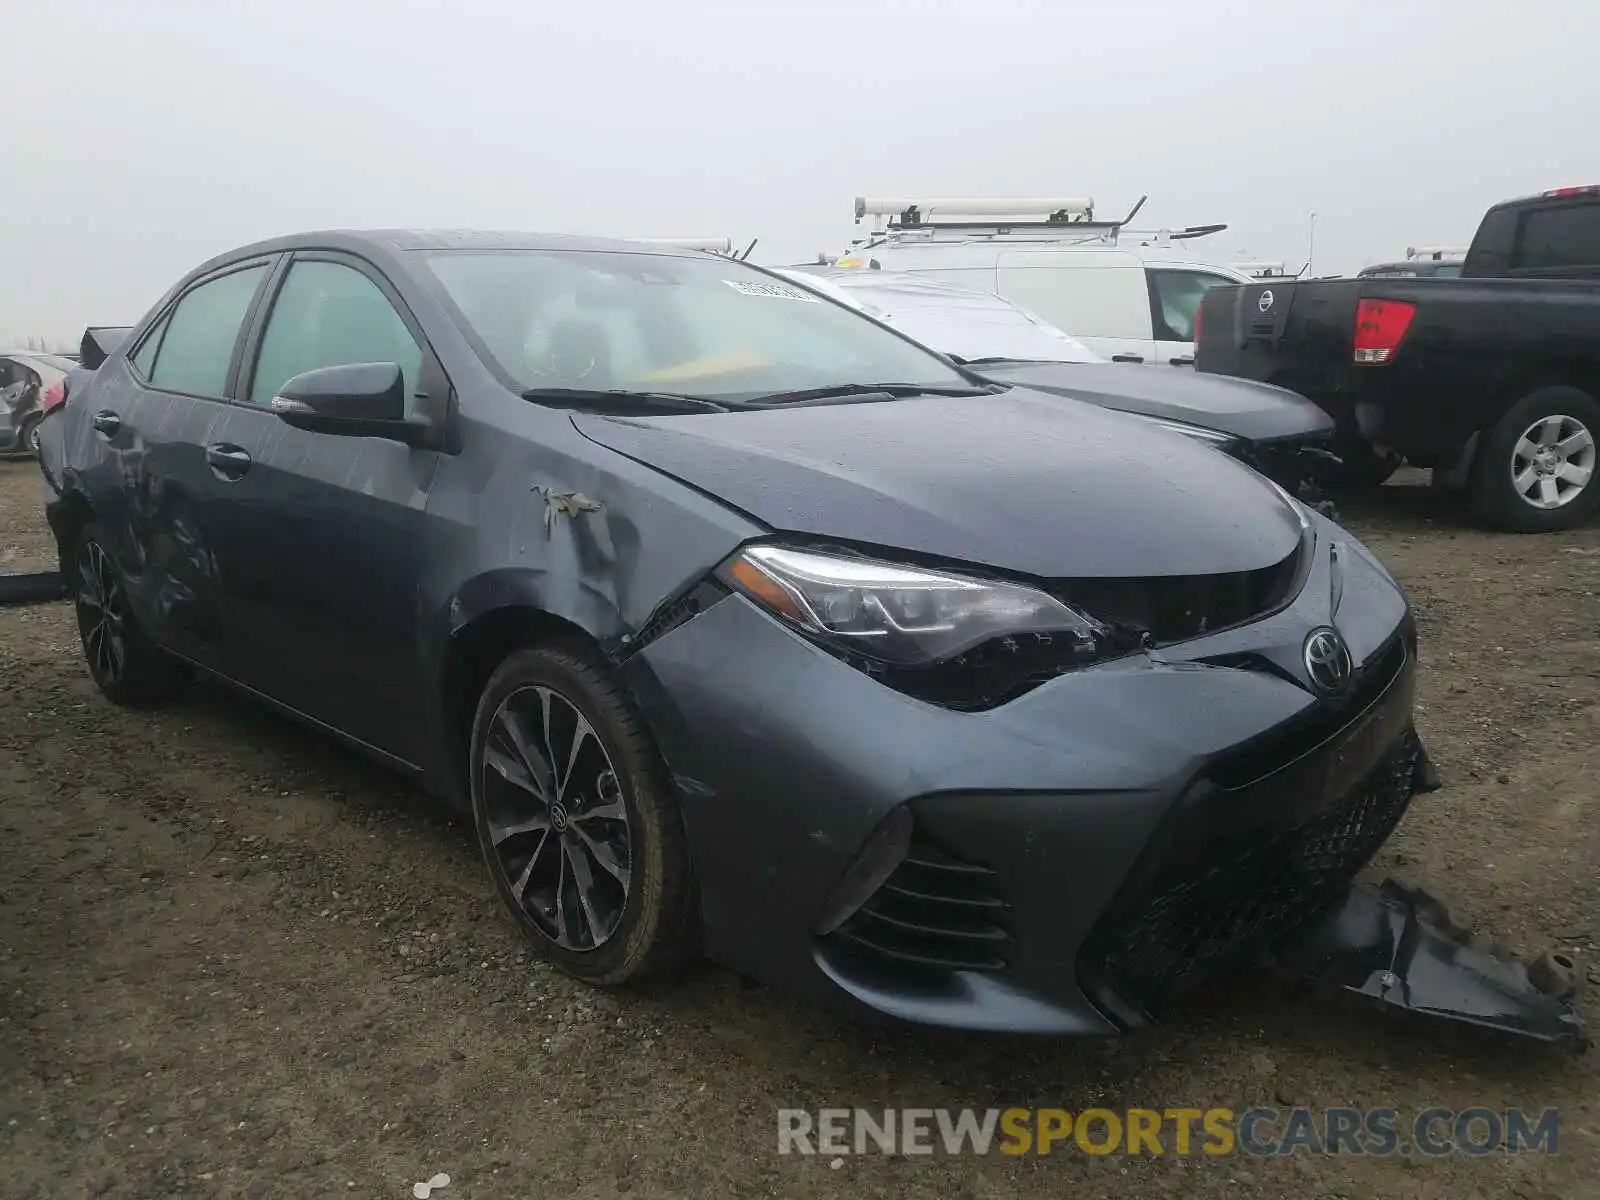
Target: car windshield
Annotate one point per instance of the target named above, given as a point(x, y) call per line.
point(621, 321)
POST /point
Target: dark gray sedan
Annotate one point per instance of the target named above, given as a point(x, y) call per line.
point(739, 622)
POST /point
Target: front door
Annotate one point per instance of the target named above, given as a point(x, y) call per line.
point(325, 587)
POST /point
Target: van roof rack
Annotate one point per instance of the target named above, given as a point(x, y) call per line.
point(1069, 218)
point(1436, 253)
point(1262, 270)
point(722, 245)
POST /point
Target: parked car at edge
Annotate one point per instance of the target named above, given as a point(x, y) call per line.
point(26, 377)
point(1280, 434)
point(1492, 379)
point(739, 622)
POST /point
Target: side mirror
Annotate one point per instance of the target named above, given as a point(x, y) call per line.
point(352, 400)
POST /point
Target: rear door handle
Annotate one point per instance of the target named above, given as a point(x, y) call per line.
point(1127, 358)
point(226, 460)
point(1186, 360)
point(107, 422)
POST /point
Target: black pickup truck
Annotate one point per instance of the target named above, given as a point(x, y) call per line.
point(1492, 378)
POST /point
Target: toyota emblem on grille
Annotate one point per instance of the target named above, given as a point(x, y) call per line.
point(1327, 659)
point(1264, 301)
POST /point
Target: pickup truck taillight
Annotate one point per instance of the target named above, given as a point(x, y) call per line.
point(53, 398)
point(1198, 312)
point(1380, 328)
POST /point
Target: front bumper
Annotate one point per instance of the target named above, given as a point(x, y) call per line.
point(1079, 854)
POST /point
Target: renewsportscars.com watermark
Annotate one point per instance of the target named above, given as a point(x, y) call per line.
point(1259, 1132)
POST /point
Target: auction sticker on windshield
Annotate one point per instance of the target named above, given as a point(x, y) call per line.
point(773, 291)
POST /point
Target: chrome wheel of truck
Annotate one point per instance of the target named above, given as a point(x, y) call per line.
point(1537, 468)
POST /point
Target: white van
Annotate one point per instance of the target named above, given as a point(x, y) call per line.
point(1124, 303)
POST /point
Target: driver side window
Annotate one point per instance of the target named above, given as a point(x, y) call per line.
point(328, 315)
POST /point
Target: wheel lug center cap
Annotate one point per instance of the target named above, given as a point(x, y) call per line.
point(558, 817)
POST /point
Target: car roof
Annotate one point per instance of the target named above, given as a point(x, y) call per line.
point(450, 239)
point(392, 243)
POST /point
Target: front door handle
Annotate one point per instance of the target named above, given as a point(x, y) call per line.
point(1127, 358)
point(107, 422)
point(226, 460)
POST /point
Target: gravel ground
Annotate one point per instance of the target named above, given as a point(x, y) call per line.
point(235, 961)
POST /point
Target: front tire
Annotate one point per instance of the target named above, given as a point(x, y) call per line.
point(1536, 471)
point(127, 667)
point(576, 819)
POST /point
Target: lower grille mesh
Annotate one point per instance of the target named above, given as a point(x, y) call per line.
point(934, 911)
point(1182, 929)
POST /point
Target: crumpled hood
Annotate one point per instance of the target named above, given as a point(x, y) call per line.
point(1018, 482)
point(1242, 407)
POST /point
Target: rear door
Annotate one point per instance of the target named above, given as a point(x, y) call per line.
point(1175, 295)
point(163, 506)
point(323, 575)
point(1098, 296)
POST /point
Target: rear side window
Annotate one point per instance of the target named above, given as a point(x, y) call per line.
point(1559, 236)
point(197, 344)
point(330, 315)
point(1174, 299)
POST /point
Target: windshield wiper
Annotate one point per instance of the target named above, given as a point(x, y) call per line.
point(620, 400)
point(864, 391)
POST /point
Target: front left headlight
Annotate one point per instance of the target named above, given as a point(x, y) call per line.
point(901, 616)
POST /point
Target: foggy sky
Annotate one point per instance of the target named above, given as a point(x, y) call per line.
point(140, 138)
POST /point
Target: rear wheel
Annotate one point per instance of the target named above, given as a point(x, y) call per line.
point(576, 819)
point(28, 435)
point(126, 666)
point(1536, 470)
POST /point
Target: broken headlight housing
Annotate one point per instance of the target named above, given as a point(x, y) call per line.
point(958, 640)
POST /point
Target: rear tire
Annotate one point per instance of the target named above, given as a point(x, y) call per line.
point(28, 435)
point(1537, 469)
point(577, 820)
point(127, 667)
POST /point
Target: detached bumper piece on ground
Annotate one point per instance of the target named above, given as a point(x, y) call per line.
point(1402, 947)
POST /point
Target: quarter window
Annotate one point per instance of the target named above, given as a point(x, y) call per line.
point(330, 315)
point(145, 358)
point(197, 347)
